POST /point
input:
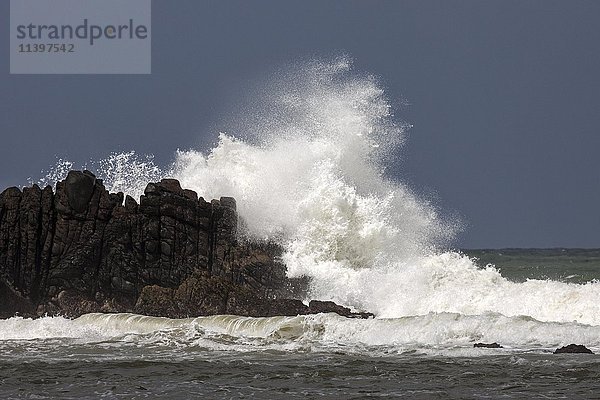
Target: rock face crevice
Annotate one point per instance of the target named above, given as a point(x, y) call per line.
point(82, 249)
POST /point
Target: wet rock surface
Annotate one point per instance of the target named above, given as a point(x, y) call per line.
point(81, 249)
point(573, 348)
point(488, 345)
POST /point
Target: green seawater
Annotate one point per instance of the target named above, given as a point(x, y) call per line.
point(564, 265)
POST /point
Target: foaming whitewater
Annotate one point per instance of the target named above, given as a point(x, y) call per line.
point(307, 167)
point(445, 332)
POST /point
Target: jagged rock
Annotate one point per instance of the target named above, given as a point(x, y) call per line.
point(82, 249)
point(202, 294)
point(317, 306)
point(79, 187)
point(573, 348)
point(13, 303)
point(488, 345)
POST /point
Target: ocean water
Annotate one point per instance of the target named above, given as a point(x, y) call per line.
point(317, 356)
point(565, 265)
point(307, 162)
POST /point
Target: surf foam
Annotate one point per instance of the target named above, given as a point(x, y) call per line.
point(321, 332)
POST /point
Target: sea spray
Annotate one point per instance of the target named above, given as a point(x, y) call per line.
point(308, 170)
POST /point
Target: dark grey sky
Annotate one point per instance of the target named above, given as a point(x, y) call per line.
point(504, 98)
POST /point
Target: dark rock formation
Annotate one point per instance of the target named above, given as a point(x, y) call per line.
point(573, 348)
point(317, 306)
point(488, 345)
point(83, 249)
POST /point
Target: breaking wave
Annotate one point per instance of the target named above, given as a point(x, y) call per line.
point(307, 167)
point(322, 332)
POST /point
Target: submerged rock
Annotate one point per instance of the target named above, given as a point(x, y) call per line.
point(573, 348)
point(488, 345)
point(82, 249)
